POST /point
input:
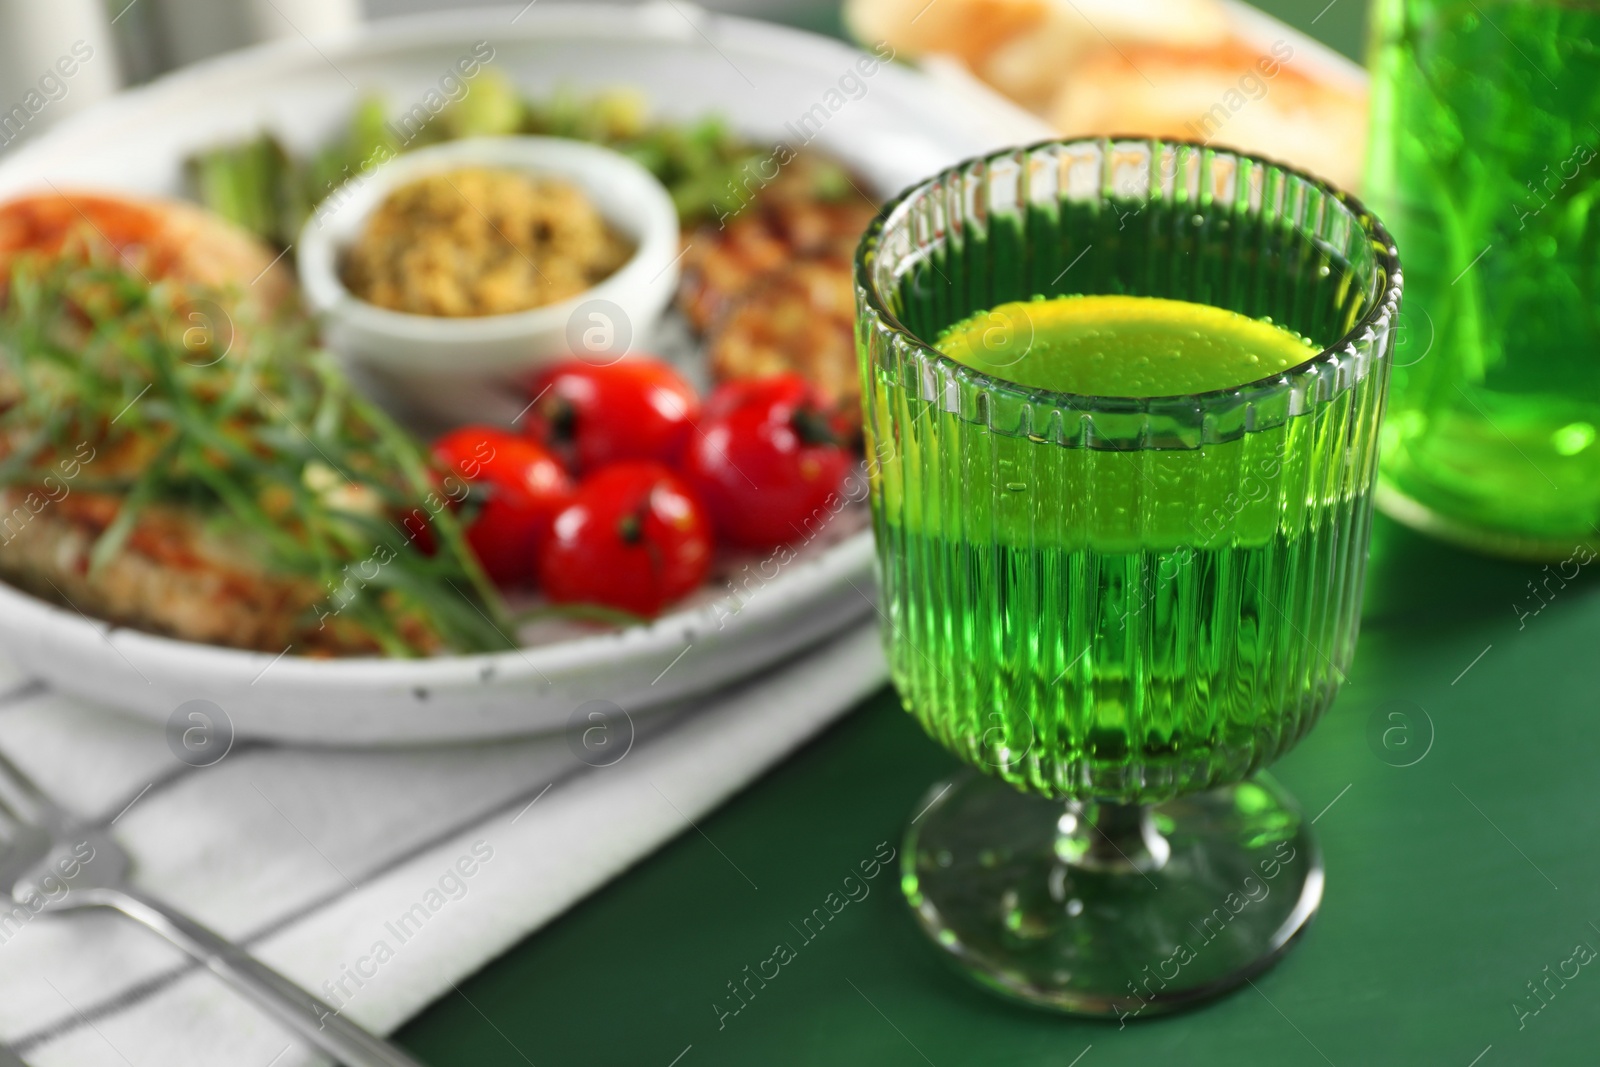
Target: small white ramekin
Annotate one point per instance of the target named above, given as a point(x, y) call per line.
point(460, 369)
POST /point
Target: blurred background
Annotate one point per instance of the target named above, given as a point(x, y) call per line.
point(146, 38)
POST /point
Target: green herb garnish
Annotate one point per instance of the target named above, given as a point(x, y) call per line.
point(197, 401)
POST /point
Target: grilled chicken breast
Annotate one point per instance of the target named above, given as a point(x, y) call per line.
point(171, 575)
point(156, 238)
point(771, 285)
point(170, 578)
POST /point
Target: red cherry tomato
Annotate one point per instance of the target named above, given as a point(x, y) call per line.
point(635, 409)
point(518, 487)
point(633, 538)
point(769, 459)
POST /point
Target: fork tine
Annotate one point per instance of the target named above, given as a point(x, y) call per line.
point(13, 815)
point(11, 775)
point(18, 827)
point(27, 834)
point(16, 786)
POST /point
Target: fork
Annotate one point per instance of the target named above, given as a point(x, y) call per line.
point(22, 849)
point(35, 829)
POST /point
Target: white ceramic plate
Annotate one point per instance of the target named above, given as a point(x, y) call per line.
point(893, 125)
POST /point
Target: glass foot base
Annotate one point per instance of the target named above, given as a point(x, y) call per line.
point(1184, 902)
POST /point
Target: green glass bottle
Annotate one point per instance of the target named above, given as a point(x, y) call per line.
point(1483, 161)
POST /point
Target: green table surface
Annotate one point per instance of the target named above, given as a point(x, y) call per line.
point(1453, 881)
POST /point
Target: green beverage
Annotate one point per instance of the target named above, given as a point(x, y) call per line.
point(1134, 346)
point(1486, 128)
point(1144, 621)
point(1122, 401)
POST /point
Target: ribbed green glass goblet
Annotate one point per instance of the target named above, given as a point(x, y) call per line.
point(1119, 609)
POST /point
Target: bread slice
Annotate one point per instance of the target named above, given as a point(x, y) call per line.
point(1029, 68)
point(967, 29)
point(1190, 69)
point(1235, 96)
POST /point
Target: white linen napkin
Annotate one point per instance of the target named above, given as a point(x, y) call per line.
point(376, 879)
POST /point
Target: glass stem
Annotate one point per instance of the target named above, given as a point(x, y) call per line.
point(1110, 837)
